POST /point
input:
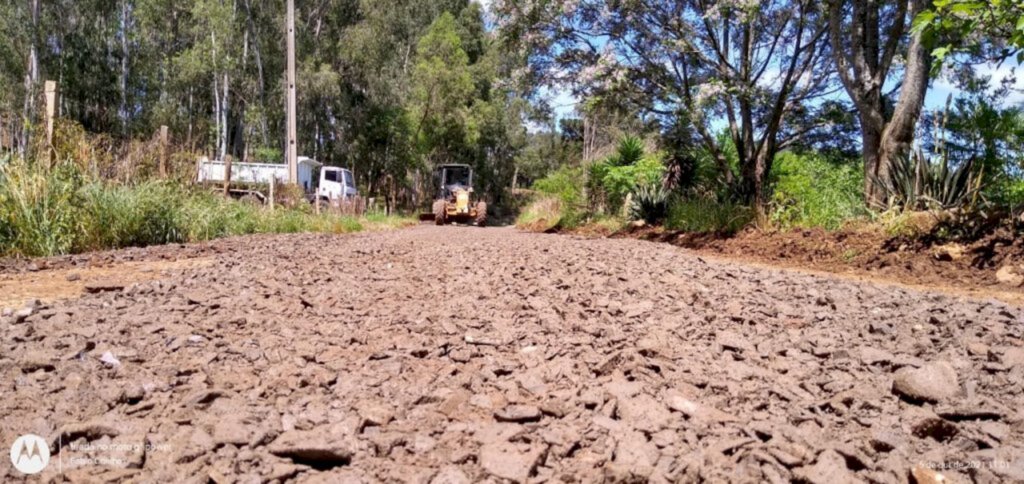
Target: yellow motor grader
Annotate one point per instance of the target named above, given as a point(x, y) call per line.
point(455, 201)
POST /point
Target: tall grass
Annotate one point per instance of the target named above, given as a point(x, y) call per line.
point(61, 211)
point(703, 215)
point(38, 210)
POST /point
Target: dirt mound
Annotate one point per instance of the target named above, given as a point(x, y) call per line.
point(458, 354)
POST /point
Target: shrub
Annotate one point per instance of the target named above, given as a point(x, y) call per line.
point(704, 215)
point(629, 151)
point(812, 191)
point(918, 182)
point(566, 186)
point(1007, 192)
point(650, 204)
point(618, 181)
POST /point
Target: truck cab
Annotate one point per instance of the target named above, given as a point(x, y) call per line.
point(336, 184)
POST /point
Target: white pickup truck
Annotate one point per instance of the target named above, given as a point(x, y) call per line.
point(316, 180)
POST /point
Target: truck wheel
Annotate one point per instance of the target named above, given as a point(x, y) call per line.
point(481, 214)
point(439, 212)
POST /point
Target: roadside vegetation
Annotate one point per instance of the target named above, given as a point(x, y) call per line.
point(593, 115)
point(64, 210)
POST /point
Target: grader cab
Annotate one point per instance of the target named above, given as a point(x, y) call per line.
point(455, 200)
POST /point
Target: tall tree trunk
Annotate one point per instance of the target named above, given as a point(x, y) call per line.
point(216, 95)
point(899, 133)
point(224, 103)
point(190, 122)
point(123, 111)
point(863, 55)
point(31, 80)
point(871, 127)
point(216, 117)
point(260, 80)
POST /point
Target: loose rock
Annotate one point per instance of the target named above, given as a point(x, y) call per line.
point(934, 382)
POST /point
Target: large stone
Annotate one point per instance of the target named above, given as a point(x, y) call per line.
point(194, 444)
point(311, 447)
point(644, 413)
point(518, 413)
point(730, 340)
point(236, 431)
point(36, 360)
point(634, 458)
point(697, 411)
point(506, 461)
point(870, 355)
point(830, 468)
point(934, 382)
point(1012, 356)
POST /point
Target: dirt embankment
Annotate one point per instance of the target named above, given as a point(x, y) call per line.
point(457, 354)
point(971, 269)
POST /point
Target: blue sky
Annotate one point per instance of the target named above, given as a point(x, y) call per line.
point(563, 103)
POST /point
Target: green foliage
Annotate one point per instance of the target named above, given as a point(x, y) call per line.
point(546, 213)
point(650, 204)
point(442, 85)
point(973, 26)
point(1007, 192)
point(120, 216)
point(61, 211)
point(267, 155)
point(813, 191)
point(610, 180)
point(618, 181)
point(629, 151)
point(703, 215)
point(565, 185)
point(38, 211)
point(917, 182)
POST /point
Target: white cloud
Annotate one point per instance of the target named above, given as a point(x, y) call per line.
point(942, 87)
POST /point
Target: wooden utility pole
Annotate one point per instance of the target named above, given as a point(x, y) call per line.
point(163, 151)
point(51, 110)
point(291, 146)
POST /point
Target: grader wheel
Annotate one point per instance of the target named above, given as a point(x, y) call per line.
point(481, 214)
point(439, 212)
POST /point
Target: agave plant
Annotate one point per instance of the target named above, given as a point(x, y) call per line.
point(917, 182)
point(650, 204)
point(629, 151)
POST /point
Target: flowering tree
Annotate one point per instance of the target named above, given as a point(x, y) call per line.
point(751, 66)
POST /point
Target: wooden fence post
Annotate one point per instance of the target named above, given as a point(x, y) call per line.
point(273, 180)
point(163, 151)
point(50, 88)
point(227, 175)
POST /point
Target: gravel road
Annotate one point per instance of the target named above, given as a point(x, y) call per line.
point(458, 354)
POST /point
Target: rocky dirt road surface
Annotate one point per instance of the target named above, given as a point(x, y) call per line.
point(457, 354)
